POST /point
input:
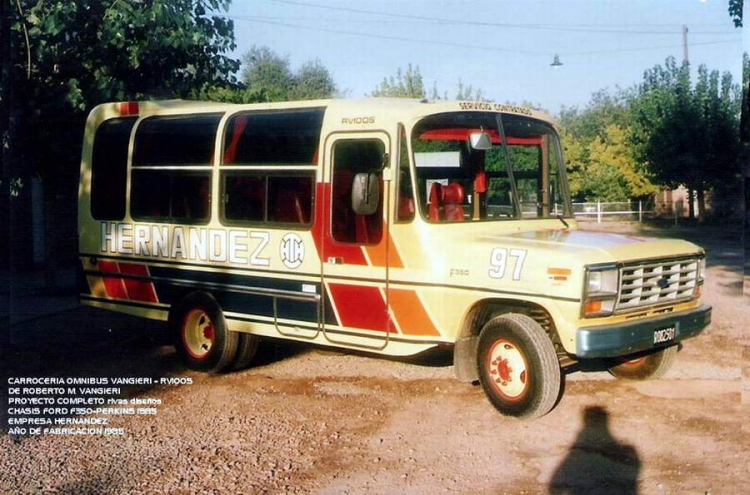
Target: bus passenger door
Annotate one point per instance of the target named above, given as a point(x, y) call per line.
point(353, 240)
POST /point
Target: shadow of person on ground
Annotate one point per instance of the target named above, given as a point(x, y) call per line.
point(597, 462)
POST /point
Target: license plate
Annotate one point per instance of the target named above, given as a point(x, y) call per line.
point(663, 335)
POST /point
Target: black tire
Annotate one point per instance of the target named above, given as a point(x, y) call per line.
point(518, 366)
point(200, 334)
point(247, 347)
point(644, 366)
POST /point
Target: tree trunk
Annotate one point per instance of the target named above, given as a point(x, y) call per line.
point(691, 203)
point(701, 205)
point(50, 239)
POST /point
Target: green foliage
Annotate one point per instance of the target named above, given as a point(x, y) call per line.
point(103, 50)
point(735, 11)
point(600, 159)
point(67, 57)
point(745, 136)
point(688, 134)
point(312, 81)
point(269, 77)
point(405, 85)
point(410, 84)
point(605, 109)
point(468, 93)
point(615, 175)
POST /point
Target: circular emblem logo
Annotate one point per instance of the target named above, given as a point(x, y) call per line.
point(292, 250)
point(663, 283)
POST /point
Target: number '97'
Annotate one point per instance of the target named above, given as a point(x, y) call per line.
point(499, 262)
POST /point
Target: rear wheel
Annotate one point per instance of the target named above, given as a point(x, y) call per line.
point(247, 347)
point(644, 366)
point(518, 366)
point(200, 334)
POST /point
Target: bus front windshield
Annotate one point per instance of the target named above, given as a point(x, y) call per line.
point(473, 166)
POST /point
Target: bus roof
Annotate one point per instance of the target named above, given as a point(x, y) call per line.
point(352, 108)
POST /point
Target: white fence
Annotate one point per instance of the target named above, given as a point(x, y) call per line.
point(625, 210)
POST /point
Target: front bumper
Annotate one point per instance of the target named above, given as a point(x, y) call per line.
point(627, 338)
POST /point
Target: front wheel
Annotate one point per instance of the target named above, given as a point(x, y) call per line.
point(200, 334)
point(645, 366)
point(518, 366)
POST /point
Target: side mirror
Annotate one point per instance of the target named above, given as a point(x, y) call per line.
point(365, 194)
point(480, 141)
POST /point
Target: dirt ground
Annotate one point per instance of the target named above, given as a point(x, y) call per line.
point(307, 420)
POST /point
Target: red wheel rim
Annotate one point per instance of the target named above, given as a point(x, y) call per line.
point(198, 333)
point(633, 363)
point(507, 370)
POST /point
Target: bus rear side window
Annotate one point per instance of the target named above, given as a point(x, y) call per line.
point(109, 164)
point(182, 140)
point(171, 177)
point(170, 196)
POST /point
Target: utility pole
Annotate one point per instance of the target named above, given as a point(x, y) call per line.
point(691, 193)
point(685, 44)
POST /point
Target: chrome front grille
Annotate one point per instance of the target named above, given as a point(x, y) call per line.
point(651, 283)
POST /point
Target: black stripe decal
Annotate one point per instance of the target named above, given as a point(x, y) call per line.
point(392, 338)
point(316, 277)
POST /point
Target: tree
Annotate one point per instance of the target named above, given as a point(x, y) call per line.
point(65, 57)
point(312, 81)
point(69, 56)
point(745, 138)
point(735, 11)
point(467, 93)
point(601, 163)
point(688, 134)
point(410, 84)
point(405, 85)
point(604, 109)
point(269, 77)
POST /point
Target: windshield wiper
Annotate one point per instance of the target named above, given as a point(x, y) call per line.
point(560, 217)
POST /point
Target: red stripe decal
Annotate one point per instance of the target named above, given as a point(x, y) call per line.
point(138, 290)
point(113, 285)
point(360, 307)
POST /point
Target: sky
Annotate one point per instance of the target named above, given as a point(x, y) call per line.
point(504, 48)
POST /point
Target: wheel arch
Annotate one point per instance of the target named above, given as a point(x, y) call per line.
point(465, 349)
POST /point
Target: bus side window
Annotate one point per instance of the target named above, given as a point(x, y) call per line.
point(244, 198)
point(171, 177)
point(272, 142)
point(170, 196)
point(190, 197)
point(350, 158)
point(149, 194)
point(253, 197)
point(272, 137)
point(109, 165)
point(290, 199)
point(178, 140)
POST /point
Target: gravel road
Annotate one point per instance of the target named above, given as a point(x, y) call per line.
point(308, 420)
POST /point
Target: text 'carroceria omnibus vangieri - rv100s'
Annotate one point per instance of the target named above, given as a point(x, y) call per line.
point(381, 225)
